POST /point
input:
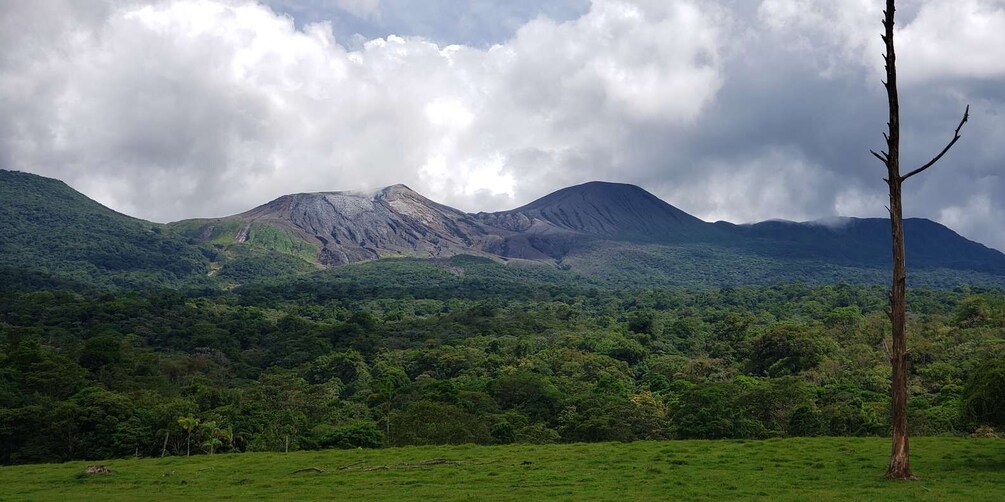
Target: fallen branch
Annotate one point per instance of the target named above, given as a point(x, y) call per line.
point(394, 467)
point(308, 469)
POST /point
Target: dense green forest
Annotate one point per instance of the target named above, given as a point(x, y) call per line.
point(360, 357)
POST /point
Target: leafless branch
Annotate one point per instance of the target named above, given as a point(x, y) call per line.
point(956, 137)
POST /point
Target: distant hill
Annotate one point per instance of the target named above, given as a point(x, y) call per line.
point(46, 226)
point(613, 233)
point(866, 242)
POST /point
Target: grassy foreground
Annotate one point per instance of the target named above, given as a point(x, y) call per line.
point(804, 468)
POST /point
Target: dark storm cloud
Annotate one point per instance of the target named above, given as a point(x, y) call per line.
point(736, 110)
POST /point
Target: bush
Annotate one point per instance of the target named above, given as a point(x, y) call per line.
point(984, 394)
point(362, 434)
point(428, 422)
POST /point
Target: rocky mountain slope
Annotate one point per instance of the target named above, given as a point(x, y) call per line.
point(349, 227)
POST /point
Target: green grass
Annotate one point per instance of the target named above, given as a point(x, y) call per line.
point(783, 469)
point(211, 231)
point(277, 239)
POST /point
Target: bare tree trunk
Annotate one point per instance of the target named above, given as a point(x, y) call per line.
point(900, 459)
point(164, 450)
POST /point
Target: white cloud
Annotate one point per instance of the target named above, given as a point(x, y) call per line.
point(975, 215)
point(197, 107)
point(729, 109)
point(955, 39)
point(826, 34)
point(936, 39)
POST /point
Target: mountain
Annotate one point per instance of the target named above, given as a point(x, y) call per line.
point(349, 227)
point(338, 228)
point(49, 227)
point(614, 233)
point(614, 211)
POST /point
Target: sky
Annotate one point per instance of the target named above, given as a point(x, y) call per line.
point(737, 110)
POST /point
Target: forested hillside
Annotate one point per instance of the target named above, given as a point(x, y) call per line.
point(89, 376)
point(48, 228)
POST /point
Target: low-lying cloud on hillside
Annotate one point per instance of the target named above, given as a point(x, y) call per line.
point(732, 109)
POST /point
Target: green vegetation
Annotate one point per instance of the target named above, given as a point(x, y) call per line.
point(49, 228)
point(277, 239)
point(376, 360)
point(122, 338)
point(626, 265)
point(221, 231)
point(51, 236)
point(244, 265)
point(263, 250)
point(786, 469)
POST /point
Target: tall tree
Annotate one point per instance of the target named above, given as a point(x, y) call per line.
point(188, 424)
point(900, 461)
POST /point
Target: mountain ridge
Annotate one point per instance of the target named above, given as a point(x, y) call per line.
point(587, 226)
point(351, 226)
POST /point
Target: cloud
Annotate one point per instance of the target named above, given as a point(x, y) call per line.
point(186, 108)
point(732, 110)
point(775, 181)
point(952, 39)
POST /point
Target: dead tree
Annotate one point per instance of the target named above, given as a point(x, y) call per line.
point(900, 461)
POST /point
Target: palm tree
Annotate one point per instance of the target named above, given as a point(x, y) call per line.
point(188, 424)
point(217, 437)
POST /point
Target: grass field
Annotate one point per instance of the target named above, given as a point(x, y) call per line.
point(784, 469)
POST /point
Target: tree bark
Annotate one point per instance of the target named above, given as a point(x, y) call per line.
point(900, 459)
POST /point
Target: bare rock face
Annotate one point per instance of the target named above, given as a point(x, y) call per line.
point(394, 221)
